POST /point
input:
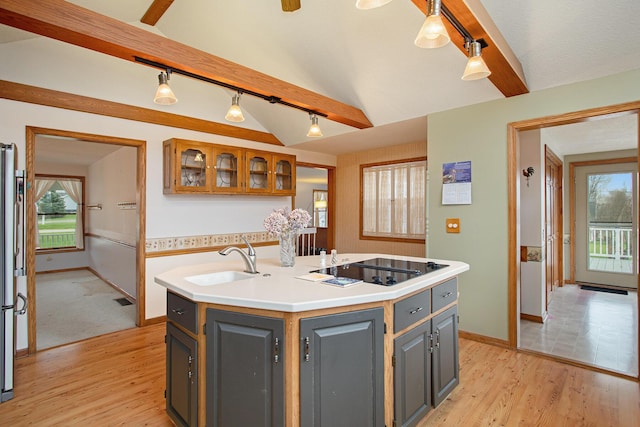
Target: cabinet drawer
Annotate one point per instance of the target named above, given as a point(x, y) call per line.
point(410, 310)
point(182, 311)
point(444, 294)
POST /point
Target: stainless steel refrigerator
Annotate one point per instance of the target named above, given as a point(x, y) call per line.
point(12, 263)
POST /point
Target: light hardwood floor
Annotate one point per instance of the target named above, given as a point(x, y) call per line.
point(118, 380)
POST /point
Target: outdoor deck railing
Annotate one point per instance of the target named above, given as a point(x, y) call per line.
point(610, 242)
point(57, 240)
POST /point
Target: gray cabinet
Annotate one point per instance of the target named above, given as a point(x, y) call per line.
point(412, 375)
point(446, 367)
point(342, 369)
point(182, 377)
point(245, 370)
point(426, 367)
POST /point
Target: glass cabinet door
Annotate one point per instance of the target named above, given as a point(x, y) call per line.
point(193, 168)
point(227, 170)
point(258, 172)
point(285, 174)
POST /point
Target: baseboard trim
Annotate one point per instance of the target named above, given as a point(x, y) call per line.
point(23, 352)
point(154, 320)
point(484, 339)
point(113, 285)
point(532, 318)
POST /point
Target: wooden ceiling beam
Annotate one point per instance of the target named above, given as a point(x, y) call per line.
point(68, 101)
point(506, 72)
point(155, 11)
point(73, 24)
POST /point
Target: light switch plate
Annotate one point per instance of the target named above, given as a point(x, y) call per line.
point(453, 225)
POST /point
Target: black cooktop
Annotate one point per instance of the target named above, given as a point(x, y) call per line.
point(382, 271)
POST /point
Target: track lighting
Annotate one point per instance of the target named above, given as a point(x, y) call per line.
point(433, 34)
point(370, 4)
point(314, 129)
point(164, 94)
point(476, 67)
point(234, 114)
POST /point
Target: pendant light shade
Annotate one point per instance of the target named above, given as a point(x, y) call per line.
point(164, 94)
point(476, 67)
point(432, 34)
point(314, 130)
point(234, 114)
point(370, 4)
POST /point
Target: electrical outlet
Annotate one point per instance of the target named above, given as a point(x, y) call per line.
point(453, 225)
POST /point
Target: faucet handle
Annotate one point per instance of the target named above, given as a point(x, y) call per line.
point(252, 251)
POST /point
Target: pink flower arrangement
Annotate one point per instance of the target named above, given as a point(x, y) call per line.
point(283, 221)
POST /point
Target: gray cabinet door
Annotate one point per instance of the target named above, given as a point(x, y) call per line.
point(412, 375)
point(182, 377)
point(342, 370)
point(245, 370)
point(446, 367)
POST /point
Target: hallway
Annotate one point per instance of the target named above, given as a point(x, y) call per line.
point(596, 328)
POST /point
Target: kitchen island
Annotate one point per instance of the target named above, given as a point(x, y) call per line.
point(275, 350)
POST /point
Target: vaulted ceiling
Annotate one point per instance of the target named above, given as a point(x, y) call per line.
point(360, 68)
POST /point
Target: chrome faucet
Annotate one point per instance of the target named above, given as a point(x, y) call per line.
point(249, 257)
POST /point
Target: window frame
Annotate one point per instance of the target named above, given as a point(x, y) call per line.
point(387, 238)
point(84, 213)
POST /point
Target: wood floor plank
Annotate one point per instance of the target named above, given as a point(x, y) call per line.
point(119, 380)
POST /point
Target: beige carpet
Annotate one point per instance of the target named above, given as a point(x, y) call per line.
point(76, 305)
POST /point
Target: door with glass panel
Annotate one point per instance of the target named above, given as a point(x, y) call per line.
point(606, 224)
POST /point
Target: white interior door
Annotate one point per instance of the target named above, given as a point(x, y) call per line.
point(606, 224)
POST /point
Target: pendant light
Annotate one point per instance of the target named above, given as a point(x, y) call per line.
point(476, 67)
point(370, 4)
point(164, 94)
point(432, 34)
point(314, 130)
point(234, 114)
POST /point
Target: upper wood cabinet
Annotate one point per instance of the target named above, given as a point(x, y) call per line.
point(198, 167)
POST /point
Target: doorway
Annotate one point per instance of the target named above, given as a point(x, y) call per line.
point(72, 139)
point(605, 223)
point(315, 192)
point(514, 173)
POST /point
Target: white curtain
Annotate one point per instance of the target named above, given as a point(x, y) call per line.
point(41, 188)
point(74, 190)
point(394, 200)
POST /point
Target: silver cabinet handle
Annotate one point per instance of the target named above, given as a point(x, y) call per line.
point(447, 295)
point(414, 311)
point(178, 311)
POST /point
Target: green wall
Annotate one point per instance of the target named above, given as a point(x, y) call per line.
point(479, 133)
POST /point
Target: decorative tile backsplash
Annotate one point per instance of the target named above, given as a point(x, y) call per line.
point(170, 244)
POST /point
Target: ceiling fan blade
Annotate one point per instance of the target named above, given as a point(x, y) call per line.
point(290, 5)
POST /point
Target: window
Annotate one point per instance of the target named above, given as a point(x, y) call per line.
point(393, 200)
point(320, 204)
point(59, 202)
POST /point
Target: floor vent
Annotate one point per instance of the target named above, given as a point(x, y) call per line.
point(603, 289)
point(123, 301)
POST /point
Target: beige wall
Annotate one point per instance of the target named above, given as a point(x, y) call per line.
point(348, 200)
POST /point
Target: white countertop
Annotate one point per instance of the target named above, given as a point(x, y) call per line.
point(277, 288)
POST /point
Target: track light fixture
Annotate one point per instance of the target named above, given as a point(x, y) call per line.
point(314, 129)
point(433, 34)
point(235, 100)
point(164, 94)
point(370, 4)
point(476, 67)
point(234, 114)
